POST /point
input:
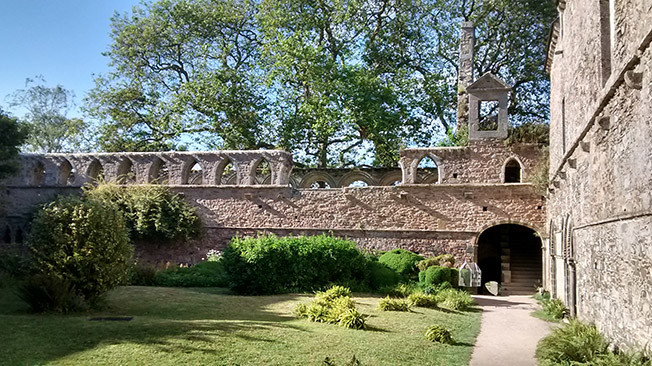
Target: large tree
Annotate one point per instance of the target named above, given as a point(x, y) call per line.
point(181, 68)
point(13, 135)
point(335, 81)
point(51, 130)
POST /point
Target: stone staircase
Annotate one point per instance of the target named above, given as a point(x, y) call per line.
point(525, 266)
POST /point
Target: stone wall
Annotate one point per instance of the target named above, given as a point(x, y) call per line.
point(600, 203)
point(445, 216)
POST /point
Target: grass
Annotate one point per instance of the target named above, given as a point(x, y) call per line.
point(174, 326)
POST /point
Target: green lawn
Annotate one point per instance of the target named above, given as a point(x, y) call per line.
point(175, 326)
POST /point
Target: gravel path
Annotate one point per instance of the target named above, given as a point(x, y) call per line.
point(508, 333)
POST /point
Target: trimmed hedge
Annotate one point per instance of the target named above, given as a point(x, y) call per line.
point(402, 261)
point(436, 275)
point(269, 264)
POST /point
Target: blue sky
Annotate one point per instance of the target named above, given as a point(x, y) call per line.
point(62, 40)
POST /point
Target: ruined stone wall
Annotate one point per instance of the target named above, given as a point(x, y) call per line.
point(600, 203)
point(427, 218)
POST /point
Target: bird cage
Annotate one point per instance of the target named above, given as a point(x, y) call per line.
point(470, 275)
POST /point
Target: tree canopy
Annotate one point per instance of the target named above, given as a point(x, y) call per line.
point(334, 81)
point(13, 135)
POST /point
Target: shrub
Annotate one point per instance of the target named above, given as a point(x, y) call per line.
point(554, 308)
point(152, 212)
point(439, 334)
point(444, 260)
point(82, 242)
point(454, 299)
point(400, 290)
point(402, 261)
point(333, 306)
point(529, 132)
point(142, 275)
point(203, 274)
point(14, 264)
point(437, 275)
point(49, 293)
point(389, 304)
point(268, 264)
point(573, 342)
point(380, 276)
point(422, 300)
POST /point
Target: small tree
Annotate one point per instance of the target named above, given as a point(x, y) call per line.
point(83, 242)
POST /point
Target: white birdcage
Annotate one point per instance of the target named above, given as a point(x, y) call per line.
point(470, 275)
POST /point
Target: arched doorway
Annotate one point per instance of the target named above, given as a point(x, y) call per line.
point(510, 254)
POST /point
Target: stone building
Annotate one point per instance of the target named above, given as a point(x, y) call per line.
point(471, 201)
point(598, 258)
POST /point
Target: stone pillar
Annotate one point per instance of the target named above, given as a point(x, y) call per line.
point(465, 72)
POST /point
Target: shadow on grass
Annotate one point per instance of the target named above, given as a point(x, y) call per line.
point(162, 317)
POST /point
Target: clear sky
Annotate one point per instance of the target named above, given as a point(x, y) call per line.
point(62, 40)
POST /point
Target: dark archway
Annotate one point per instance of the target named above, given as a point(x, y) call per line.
point(510, 254)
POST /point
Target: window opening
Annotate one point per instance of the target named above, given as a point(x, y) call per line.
point(488, 115)
point(512, 172)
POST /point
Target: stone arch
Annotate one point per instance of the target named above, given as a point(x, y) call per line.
point(392, 178)
point(426, 174)
point(66, 173)
point(192, 173)
point(356, 176)
point(37, 176)
point(261, 171)
point(322, 179)
point(95, 171)
point(512, 170)
point(510, 253)
point(226, 172)
point(158, 172)
point(126, 172)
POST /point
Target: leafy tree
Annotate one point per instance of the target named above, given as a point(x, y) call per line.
point(50, 129)
point(180, 68)
point(13, 135)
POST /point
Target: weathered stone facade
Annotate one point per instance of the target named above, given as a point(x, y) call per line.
point(599, 256)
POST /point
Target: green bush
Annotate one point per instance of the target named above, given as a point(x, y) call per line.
point(437, 275)
point(152, 212)
point(573, 342)
point(529, 132)
point(400, 290)
point(380, 276)
point(268, 264)
point(14, 264)
point(83, 242)
point(422, 300)
point(203, 274)
point(439, 334)
point(142, 275)
point(389, 304)
point(402, 261)
point(49, 293)
point(454, 299)
point(435, 289)
point(334, 306)
point(555, 308)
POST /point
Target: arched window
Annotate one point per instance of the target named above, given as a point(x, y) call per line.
point(95, 171)
point(158, 173)
point(262, 172)
point(225, 173)
point(512, 171)
point(359, 184)
point(427, 171)
point(320, 184)
point(126, 172)
point(66, 173)
point(193, 174)
point(38, 174)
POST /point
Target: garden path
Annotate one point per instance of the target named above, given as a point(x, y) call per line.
point(508, 333)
